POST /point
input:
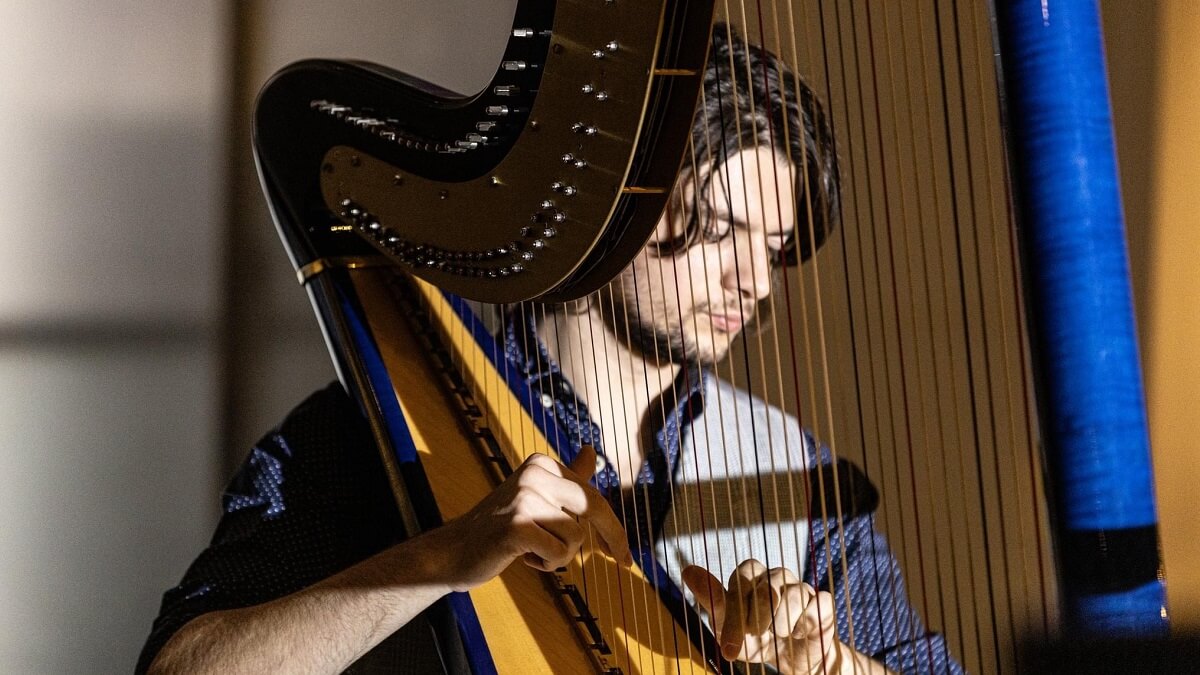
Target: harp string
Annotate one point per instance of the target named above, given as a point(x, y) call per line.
point(673, 212)
point(921, 219)
point(1023, 355)
point(809, 224)
point(623, 464)
point(946, 286)
point(696, 197)
point(763, 198)
point(848, 172)
point(726, 197)
point(638, 492)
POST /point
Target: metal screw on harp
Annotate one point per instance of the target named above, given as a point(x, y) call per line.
point(467, 263)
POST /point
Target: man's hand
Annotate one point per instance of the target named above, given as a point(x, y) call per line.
point(533, 516)
point(770, 616)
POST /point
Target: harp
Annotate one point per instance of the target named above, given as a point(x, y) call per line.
point(394, 200)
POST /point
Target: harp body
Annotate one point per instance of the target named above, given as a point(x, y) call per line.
point(395, 179)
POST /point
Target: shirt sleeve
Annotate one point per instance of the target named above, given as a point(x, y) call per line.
point(874, 613)
point(310, 499)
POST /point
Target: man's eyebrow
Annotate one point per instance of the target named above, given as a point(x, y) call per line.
point(739, 223)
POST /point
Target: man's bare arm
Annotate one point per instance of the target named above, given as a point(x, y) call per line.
point(329, 625)
point(322, 628)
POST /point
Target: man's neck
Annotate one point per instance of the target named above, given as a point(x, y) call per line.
point(618, 384)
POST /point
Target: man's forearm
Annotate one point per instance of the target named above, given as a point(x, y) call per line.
point(322, 628)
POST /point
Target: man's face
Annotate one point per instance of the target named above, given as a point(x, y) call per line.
point(689, 306)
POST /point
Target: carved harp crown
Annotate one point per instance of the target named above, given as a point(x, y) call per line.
point(546, 183)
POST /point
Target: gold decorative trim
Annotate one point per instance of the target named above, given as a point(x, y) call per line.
point(312, 269)
point(631, 190)
point(675, 72)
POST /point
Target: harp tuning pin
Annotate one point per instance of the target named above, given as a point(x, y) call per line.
point(602, 96)
point(611, 47)
point(559, 217)
point(524, 32)
point(496, 110)
point(507, 90)
point(556, 186)
point(567, 158)
point(547, 204)
point(484, 127)
point(514, 65)
point(580, 164)
point(597, 53)
point(549, 232)
point(587, 88)
point(569, 190)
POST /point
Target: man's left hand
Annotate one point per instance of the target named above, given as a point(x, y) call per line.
point(769, 616)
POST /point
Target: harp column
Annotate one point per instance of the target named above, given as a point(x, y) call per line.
point(1093, 415)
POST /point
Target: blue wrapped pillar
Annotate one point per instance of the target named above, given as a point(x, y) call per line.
point(1082, 325)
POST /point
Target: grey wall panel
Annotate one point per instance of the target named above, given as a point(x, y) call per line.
point(113, 128)
point(108, 495)
point(114, 139)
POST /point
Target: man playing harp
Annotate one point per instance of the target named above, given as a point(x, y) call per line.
point(304, 574)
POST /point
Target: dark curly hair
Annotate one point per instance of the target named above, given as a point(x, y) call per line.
point(750, 99)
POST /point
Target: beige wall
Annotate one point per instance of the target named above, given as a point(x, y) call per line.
point(1171, 296)
point(113, 135)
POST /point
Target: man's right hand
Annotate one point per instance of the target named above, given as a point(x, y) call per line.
point(531, 515)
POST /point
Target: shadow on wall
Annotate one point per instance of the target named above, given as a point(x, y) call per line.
point(107, 353)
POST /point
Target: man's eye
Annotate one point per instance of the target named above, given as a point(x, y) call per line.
point(717, 230)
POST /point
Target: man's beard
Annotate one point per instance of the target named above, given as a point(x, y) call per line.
point(667, 343)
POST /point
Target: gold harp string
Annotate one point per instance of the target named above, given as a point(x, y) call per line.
point(865, 304)
point(1018, 301)
point(673, 215)
point(699, 199)
point(887, 205)
point(1023, 357)
point(810, 221)
point(714, 173)
point(754, 260)
point(596, 411)
point(637, 491)
point(658, 362)
point(540, 323)
point(947, 290)
point(585, 394)
point(722, 173)
point(696, 197)
point(920, 367)
point(810, 370)
point(973, 388)
point(912, 324)
point(742, 300)
point(623, 467)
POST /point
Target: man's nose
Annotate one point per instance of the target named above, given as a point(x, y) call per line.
point(749, 267)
